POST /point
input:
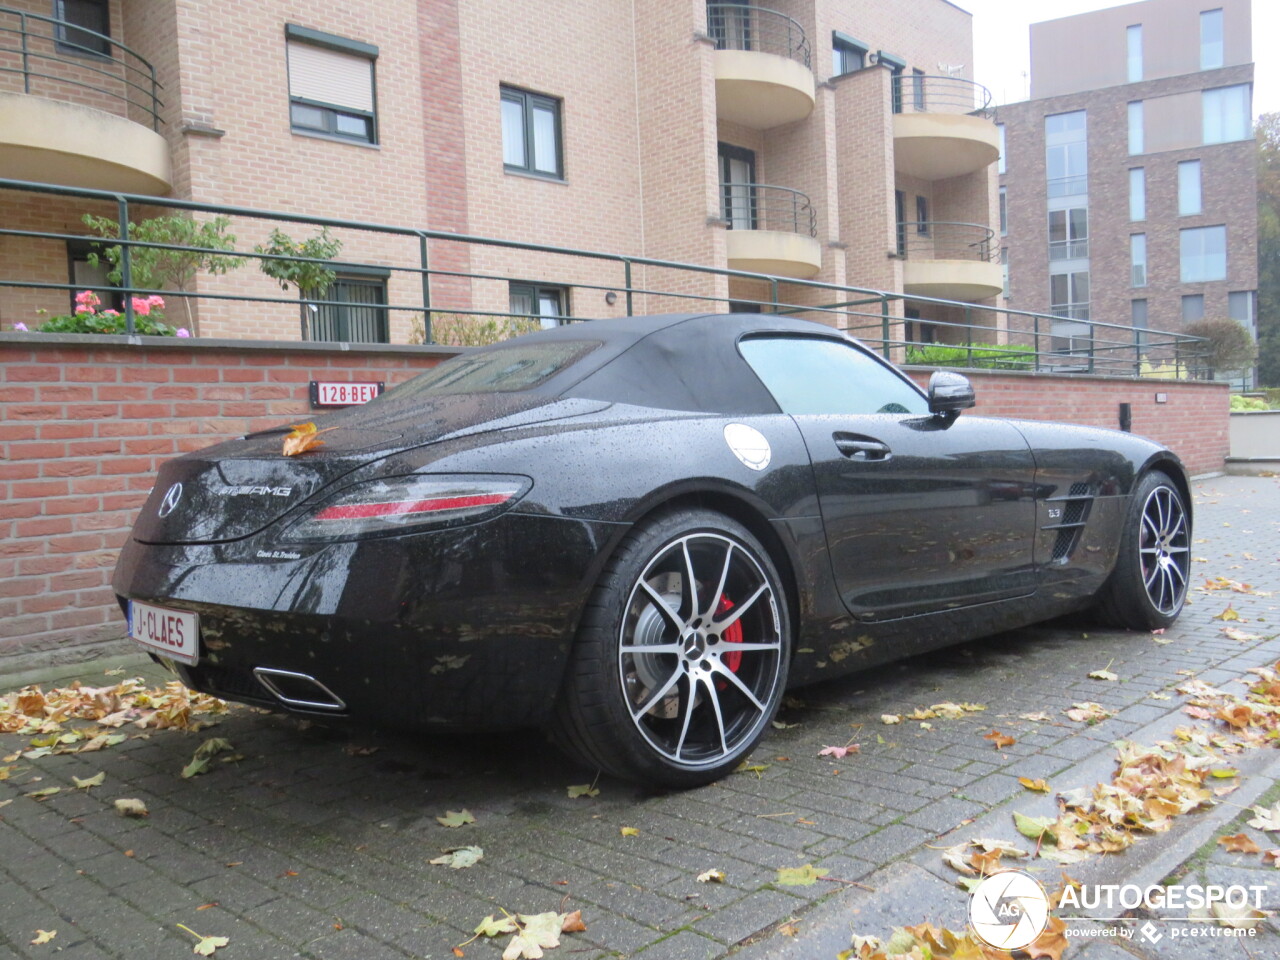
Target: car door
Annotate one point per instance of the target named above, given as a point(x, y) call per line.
point(922, 513)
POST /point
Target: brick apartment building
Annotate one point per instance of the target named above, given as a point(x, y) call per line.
point(833, 140)
point(1128, 180)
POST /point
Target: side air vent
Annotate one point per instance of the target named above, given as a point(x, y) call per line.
point(1074, 512)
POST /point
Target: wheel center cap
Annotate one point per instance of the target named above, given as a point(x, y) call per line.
point(695, 647)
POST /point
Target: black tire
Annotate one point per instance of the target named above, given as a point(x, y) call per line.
point(689, 710)
point(1148, 586)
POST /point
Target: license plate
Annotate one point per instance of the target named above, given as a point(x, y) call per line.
point(169, 633)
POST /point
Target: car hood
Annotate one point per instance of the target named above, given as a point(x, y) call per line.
point(237, 488)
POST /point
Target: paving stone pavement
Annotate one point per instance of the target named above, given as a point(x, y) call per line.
point(310, 848)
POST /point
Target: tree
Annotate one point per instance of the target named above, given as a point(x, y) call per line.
point(1268, 134)
point(300, 265)
point(1230, 346)
point(186, 249)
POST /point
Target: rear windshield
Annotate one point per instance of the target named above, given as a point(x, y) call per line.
point(506, 370)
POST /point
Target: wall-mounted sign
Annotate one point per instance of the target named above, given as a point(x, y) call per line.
point(348, 393)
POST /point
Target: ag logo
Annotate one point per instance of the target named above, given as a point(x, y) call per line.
point(170, 501)
point(1008, 910)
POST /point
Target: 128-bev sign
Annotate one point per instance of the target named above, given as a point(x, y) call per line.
point(328, 393)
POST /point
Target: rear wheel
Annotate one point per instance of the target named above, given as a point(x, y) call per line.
point(682, 655)
point(1149, 584)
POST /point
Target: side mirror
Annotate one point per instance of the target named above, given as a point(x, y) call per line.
point(949, 393)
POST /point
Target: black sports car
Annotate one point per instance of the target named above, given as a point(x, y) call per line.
point(636, 533)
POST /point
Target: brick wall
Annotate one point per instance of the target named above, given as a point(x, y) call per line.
point(84, 424)
point(1192, 422)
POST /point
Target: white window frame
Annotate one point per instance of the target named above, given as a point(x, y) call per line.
point(1190, 197)
point(1212, 52)
point(1137, 136)
point(1133, 42)
point(1227, 114)
point(1137, 259)
point(1202, 256)
point(1137, 193)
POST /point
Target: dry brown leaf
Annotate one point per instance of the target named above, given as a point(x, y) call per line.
point(999, 740)
point(1051, 943)
point(572, 923)
point(1039, 786)
point(44, 936)
point(303, 437)
point(1240, 843)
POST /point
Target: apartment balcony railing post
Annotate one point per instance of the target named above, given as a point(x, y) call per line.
point(773, 292)
point(1092, 341)
point(968, 334)
point(126, 262)
point(424, 263)
point(884, 327)
point(26, 54)
point(626, 279)
point(1035, 338)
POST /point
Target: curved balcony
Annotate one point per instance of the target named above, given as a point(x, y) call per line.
point(762, 66)
point(77, 108)
point(949, 260)
point(942, 127)
point(771, 230)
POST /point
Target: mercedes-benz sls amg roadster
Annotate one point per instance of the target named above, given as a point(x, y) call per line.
point(636, 533)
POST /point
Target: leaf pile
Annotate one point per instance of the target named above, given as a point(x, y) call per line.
point(47, 716)
point(939, 943)
point(531, 933)
point(945, 711)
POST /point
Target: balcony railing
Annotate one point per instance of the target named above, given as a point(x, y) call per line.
point(921, 93)
point(1069, 249)
point(736, 26)
point(758, 206)
point(59, 60)
point(946, 240)
point(1073, 186)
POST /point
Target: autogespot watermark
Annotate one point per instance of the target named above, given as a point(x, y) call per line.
point(1010, 910)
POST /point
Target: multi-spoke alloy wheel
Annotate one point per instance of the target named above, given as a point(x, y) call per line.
point(1149, 584)
point(1165, 551)
point(682, 658)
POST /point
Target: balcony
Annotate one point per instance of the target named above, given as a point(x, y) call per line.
point(952, 261)
point(771, 230)
point(942, 127)
point(762, 67)
point(77, 108)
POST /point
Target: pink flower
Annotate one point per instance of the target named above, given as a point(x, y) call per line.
point(87, 299)
point(85, 310)
point(142, 306)
point(183, 332)
point(155, 300)
point(111, 313)
point(22, 327)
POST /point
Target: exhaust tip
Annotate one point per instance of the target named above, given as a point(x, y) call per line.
point(299, 690)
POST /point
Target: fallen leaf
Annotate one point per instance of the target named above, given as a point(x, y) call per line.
point(756, 768)
point(999, 740)
point(788, 929)
point(455, 818)
point(303, 437)
point(1087, 712)
point(94, 781)
point(572, 923)
point(1234, 633)
point(1039, 786)
point(44, 936)
point(1272, 857)
point(131, 808)
point(206, 945)
point(459, 858)
point(890, 719)
point(711, 876)
point(839, 752)
point(805, 876)
point(537, 932)
point(1103, 675)
point(45, 794)
point(583, 790)
point(1238, 918)
point(491, 926)
point(1265, 819)
point(1051, 942)
point(1037, 717)
point(1240, 843)
point(457, 952)
point(1227, 614)
point(629, 831)
point(206, 906)
point(1034, 827)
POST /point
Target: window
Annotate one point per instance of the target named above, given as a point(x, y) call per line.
point(540, 301)
point(93, 20)
point(1138, 193)
point(848, 55)
point(1193, 307)
point(1203, 254)
point(85, 275)
point(1069, 295)
point(1138, 260)
point(1240, 307)
point(1138, 314)
point(1004, 269)
point(922, 216)
point(1189, 201)
point(815, 376)
point(738, 186)
point(1211, 47)
point(1133, 37)
point(1066, 154)
point(916, 330)
point(900, 214)
point(898, 66)
point(917, 90)
point(1004, 213)
point(331, 85)
point(1227, 114)
point(1000, 161)
point(1069, 233)
point(361, 317)
point(1137, 140)
point(531, 133)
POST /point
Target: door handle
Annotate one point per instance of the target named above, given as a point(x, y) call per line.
point(861, 448)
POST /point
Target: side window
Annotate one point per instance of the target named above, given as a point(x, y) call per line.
point(331, 85)
point(814, 375)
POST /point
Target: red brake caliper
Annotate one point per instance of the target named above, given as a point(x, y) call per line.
point(732, 635)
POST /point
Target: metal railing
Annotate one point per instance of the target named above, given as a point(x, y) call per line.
point(972, 334)
point(945, 240)
point(51, 55)
point(923, 93)
point(738, 26)
point(759, 206)
point(1069, 249)
point(1076, 185)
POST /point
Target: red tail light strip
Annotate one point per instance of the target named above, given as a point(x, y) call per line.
point(360, 511)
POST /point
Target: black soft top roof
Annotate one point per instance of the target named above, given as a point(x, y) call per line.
point(677, 361)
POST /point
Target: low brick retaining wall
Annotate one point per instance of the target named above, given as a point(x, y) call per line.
point(86, 421)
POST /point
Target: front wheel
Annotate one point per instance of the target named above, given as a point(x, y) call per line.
point(1149, 583)
point(682, 655)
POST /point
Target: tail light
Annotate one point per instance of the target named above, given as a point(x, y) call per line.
point(392, 505)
